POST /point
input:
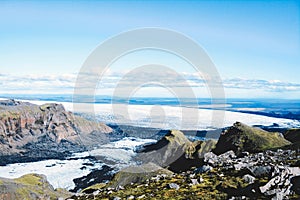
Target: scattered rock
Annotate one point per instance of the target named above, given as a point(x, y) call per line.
point(203, 169)
point(141, 197)
point(280, 186)
point(260, 171)
point(174, 186)
point(249, 179)
point(130, 197)
point(194, 181)
point(215, 160)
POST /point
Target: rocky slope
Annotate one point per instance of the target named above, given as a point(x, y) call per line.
point(236, 173)
point(28, 187)
point(35, 132)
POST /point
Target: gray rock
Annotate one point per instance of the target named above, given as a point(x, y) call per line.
point(141, 197)
point(228, 154)
point(120, 187)
point(210, 158)
point(203, 169)
point(279, 187)
point(130, 197)
point(241, 165)
point(194, 181)
point(260, 171)
point(174, 186)
point(221, 160)
point(249, 179)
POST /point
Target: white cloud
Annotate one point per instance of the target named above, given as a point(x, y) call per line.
point(65, 83)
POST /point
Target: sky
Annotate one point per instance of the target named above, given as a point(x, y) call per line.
point(254, 45)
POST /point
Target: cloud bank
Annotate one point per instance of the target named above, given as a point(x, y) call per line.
point(64, 83)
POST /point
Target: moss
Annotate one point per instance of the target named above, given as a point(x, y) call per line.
point(9, 114)
point(45, 106)
point(206, 146)
point(159, 189)
point(30, 179)
point(97, 186)
point(23, 193)
point(241, 137)
point(32, 186)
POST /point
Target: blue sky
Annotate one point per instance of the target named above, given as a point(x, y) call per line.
point(254, 44)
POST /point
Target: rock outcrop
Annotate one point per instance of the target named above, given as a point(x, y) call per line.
point(30, 186)
point(176, 152)
point(34, 131)
point(240, 138)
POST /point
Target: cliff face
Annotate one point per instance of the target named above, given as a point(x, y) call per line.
point(25, 126)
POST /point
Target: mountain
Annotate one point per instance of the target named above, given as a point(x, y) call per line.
point(240, 138)
point(48, 131)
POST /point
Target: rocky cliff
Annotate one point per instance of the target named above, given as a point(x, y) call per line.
point(33, 131)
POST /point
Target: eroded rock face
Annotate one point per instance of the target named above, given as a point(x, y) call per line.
point(26, 128)
point(240, 138)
